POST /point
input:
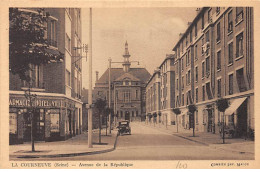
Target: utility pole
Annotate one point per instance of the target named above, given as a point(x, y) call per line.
point(90, 83)
point(109, 93)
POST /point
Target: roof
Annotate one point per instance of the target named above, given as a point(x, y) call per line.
point(141, 73)
point(127, 75)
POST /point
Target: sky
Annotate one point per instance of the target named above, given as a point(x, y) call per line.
point(151, 33)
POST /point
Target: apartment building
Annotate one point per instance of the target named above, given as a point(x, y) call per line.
point(214, 59)
point(57, 86)
point(153, 102)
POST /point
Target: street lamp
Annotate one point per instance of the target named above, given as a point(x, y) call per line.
point(31, 98)
point(109, 86)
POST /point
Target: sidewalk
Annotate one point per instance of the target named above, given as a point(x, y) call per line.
point(74, 146)
point(208, 139)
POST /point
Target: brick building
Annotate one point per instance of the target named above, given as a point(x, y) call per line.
point(127, 91)
point(58, 104)
point(214, 58)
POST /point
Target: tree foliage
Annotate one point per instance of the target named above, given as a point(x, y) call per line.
point(222, 104)
point(177, 111)
point(28, 42)
point(192, 108)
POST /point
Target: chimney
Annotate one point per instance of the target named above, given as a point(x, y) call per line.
point(198, 10)
point(96, 76)
point(180, 35)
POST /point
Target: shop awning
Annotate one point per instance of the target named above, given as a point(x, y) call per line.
point(234, 106)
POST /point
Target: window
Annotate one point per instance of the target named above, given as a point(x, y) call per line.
point(190, 36)
point(182, 65)
point(240, 80)
point(187, 98)
point(203, 93)
point(126, 96)
point(133, 113)
point(202, 21)
point(196, 52)
point(136, 113)
point(239, 45)
point(217, 10)
point(177, 101)
point(52, 36)
point(230, 53)
point(207, 66)
point(36, 75)
point(218, 32)
point(239, 14)
point(177, 84)
point(208, 90)
point(67, 43)
point(182, 47)
point(136, 94)
point(230, 84)
point(182, 103)
point(202, 43)
point(68, 82)
point(219, 87)
point(207, 36)
point(203, 69)
point(219, 60)
point(230, 22)
point(188, 59)
point(197, 95)
point(121, 114)
point(186, 41)
point(189, 77)
point(182, 82)
point(209, 16)
point(196, 32)
point(196, 73)
point(13, 123)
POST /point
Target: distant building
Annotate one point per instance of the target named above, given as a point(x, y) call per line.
point(58, 114)
point(127, 89)
point(214, 59)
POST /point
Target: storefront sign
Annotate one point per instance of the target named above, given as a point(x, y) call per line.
point(22, 102)
point(54, 122)
point(13, 123)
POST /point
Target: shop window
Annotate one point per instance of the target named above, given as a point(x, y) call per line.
point(230, 84)
point(13, 123)
point(230, 53)
point(133, 113)
point(230, 22)
point(55, 122)
point(121, 114)
point(240, 80)
point(239, 45)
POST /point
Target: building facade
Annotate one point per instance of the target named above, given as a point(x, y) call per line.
point(57, 86)
point(215, 59)
point(127, 89)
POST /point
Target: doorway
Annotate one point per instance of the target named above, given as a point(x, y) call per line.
point(127, 115)
point(241, 129)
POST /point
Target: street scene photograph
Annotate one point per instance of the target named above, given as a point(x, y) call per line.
point(157, 83)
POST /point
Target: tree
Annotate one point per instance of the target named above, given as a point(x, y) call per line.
point(100, 105)
point(222, 105)
point(107, 112)
point(28, 45)
point(177, 111)
point(192, 108)
point(28, 42)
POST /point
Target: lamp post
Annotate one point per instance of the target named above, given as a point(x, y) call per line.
point(31, 110)
point(109, 86)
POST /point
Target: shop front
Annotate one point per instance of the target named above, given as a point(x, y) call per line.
point(47, 115)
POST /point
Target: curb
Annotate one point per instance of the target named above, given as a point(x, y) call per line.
point(70, 154)
point(191, 139)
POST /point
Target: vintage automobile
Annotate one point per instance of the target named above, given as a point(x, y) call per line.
point(124, 127)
